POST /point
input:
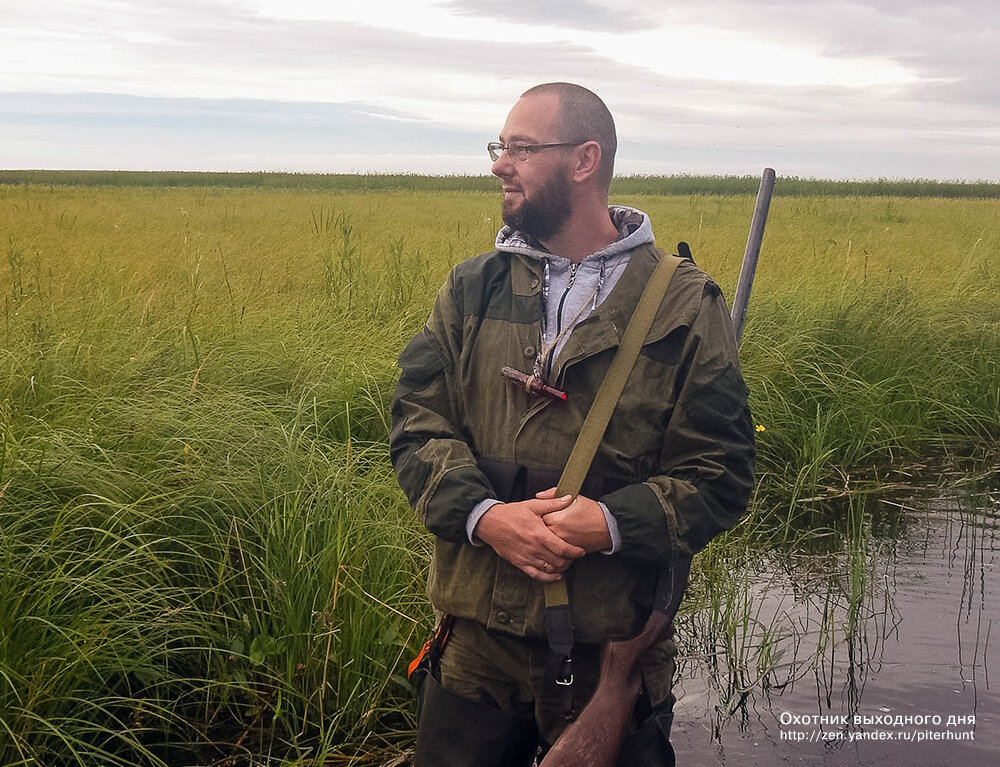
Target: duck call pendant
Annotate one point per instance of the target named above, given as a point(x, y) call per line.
point(532, 384)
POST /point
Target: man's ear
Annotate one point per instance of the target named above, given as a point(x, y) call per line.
point(588, 161)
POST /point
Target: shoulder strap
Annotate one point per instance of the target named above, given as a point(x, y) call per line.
point(592, 431)
point(558, 623)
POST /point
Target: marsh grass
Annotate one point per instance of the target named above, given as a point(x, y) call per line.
point(203, 553)
point(817, 610)
point(246, 582)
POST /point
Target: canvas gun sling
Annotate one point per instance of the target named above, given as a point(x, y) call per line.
point(558, 620)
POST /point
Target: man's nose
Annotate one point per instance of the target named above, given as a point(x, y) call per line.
point(503, 165)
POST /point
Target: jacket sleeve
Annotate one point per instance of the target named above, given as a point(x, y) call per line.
point(705, 475)
point(434, 462)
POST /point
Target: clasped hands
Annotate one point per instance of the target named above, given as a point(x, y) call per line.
point(544, 535)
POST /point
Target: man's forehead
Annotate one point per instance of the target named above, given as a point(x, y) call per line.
point(509, 138)
point(531, 117)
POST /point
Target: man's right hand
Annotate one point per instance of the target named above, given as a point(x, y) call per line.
point(517, 532)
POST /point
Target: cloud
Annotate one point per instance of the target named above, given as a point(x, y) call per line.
point(364, 127)
point(108, 131)
point(572, 14)
point(819, 84)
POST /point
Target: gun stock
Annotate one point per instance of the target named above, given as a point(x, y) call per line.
point(595, 737)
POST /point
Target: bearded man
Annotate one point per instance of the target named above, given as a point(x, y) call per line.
point(479, 453)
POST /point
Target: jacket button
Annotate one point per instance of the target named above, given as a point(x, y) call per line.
point(529, 352)
point(534, 282)
point(503, 618)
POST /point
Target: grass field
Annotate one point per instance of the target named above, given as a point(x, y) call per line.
point(388, 182)
point(203, 552)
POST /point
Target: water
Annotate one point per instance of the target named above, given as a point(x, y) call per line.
point(897, 617)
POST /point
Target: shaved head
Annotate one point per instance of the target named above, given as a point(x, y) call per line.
point(584, 117)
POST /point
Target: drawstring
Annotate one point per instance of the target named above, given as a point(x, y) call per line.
point(600, 284)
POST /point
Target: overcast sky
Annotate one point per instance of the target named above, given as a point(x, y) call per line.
point(823, 88)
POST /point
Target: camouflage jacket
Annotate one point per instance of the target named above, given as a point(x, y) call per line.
point(675, 467)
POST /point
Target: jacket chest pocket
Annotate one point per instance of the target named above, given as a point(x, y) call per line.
point(644, 410)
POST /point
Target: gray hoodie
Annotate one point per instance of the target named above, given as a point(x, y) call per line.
point(572, 290)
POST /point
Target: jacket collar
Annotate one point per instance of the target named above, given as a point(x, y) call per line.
point(605, 326)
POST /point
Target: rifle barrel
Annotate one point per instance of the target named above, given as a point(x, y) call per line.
point(750, 255)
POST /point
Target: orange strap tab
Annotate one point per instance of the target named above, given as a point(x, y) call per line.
point(434, 644)
point(415, 663)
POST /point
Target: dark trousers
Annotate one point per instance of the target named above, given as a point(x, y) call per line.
point(493, 705)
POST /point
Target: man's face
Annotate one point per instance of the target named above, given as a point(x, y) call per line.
point(537, 196)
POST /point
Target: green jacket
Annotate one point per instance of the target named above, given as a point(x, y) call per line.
point(675, 467)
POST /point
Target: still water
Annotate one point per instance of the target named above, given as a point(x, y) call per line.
point(879, 648)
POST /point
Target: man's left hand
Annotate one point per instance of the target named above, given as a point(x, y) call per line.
point(581, 523)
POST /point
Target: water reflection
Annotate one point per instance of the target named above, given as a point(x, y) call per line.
point(807, 653)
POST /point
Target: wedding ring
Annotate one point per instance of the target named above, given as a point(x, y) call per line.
point(546, 567)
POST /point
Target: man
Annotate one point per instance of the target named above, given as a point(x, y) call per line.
point(479, 453)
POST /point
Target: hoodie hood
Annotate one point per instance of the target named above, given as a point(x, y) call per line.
point(633, 226)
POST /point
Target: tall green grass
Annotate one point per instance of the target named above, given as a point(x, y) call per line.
point(203, 552)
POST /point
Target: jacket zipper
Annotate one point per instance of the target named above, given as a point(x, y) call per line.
point(569, 286)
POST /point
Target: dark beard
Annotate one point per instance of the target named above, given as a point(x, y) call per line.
point(546, 214)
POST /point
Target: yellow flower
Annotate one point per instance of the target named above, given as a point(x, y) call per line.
point(760, 427)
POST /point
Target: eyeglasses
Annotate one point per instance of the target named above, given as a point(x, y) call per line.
point(519, 152)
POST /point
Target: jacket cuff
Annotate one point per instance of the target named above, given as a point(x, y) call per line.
point(641, 523)
point(458, 488)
